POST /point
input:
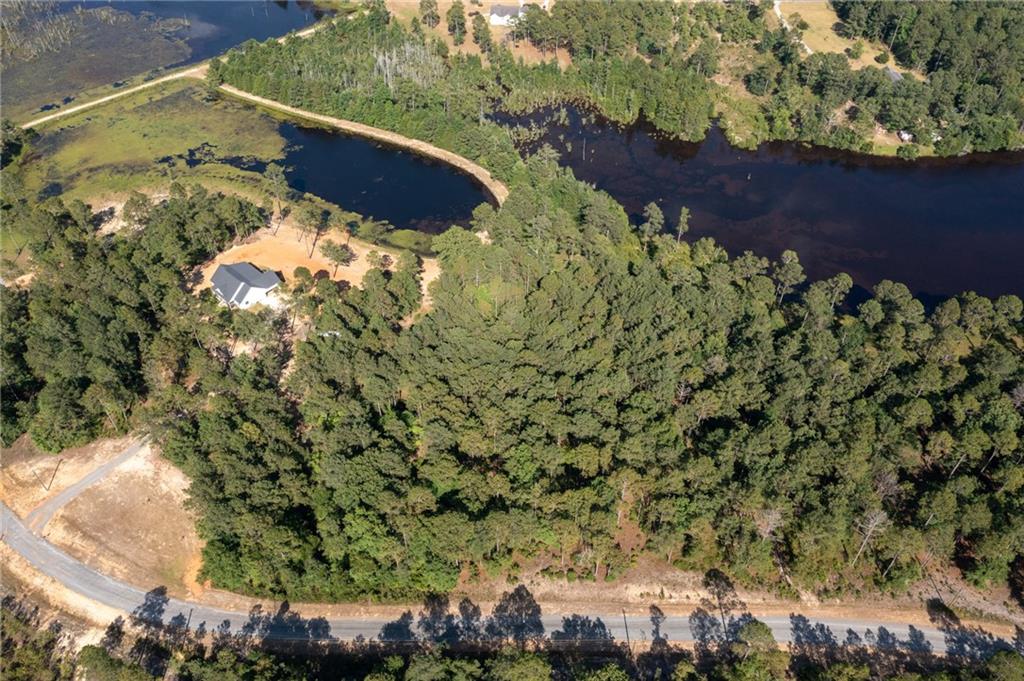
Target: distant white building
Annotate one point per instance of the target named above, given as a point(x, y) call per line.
point(242, 285)
point(504, 15)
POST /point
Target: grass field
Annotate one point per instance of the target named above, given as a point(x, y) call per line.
point(821, 34)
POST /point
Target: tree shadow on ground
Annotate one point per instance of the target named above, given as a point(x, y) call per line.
point(160, 627)
point(721, 614)
point(964, 643)
point(516, 617)
point(1016, 581)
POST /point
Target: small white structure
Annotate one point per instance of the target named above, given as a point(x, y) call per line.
point(242, 285)
point(905, 136)
point(504, 15)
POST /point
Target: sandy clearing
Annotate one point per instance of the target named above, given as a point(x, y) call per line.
point(405, 10)
point(26, 472)
point(133, 525)
point(288, 249)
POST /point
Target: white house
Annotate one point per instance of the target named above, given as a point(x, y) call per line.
point(504, 15)
point(242, 285)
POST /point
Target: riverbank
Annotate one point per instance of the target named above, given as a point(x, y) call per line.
point(495, 188)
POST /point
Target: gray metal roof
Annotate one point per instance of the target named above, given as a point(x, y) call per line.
point(232, 282)
point(505, 10)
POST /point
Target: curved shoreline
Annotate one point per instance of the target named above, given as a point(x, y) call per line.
point(493, 186)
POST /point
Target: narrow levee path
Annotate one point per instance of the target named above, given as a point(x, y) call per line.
point(194, 71)
point(496, 188)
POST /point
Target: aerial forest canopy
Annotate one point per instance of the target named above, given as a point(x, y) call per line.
point(577, 382)
point(676, 65)
point(582, 391)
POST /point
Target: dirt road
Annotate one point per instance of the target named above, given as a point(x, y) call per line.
point(498, 190)
point(192, 72)
point(37, 519)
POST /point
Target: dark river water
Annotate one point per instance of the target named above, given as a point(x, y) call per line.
point(407, 190)
point(939, 226)
point(377, 181)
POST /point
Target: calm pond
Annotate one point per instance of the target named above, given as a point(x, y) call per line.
point(377, 181)
point(407, 190)
point(939, 226)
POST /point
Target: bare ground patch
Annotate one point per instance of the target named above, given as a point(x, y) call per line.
point(133, 525)
point(405, 10)
point(285, 249)
point(28, 476)
point(821, 35)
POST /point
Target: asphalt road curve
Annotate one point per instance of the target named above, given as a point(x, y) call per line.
point(518, 617)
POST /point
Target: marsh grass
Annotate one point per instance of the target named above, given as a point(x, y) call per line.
point(144, 139)
point(86, 62)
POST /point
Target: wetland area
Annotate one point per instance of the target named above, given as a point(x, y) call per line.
point(941, 226)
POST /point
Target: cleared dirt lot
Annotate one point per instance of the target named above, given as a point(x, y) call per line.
point(405, 10)
point(133, 525)
point(287, 249)
point(26, 472)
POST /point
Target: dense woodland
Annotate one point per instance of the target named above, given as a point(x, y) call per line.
point(82, 343)
point(584, 389)
point(676, 65)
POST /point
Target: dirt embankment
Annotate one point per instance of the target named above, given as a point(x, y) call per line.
point(496, 188)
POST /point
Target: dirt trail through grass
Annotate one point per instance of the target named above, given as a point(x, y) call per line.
point(193, 72)
point(196, 71)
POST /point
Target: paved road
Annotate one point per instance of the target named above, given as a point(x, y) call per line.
point(38, 517)
point(287, 626)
